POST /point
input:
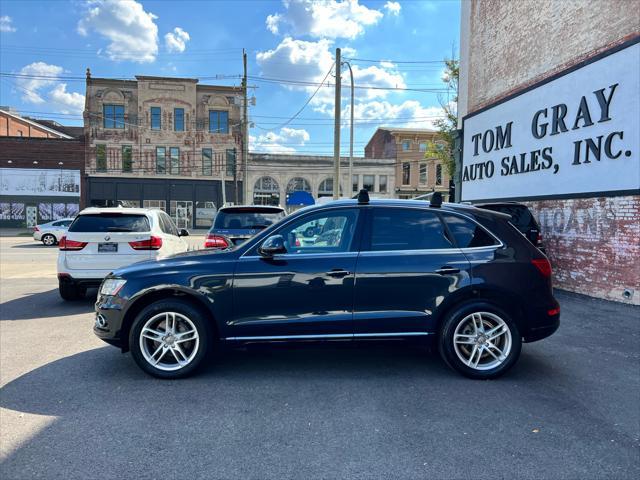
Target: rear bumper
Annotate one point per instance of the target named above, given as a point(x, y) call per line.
point(80, 282)
point(37, 236)
point(542, 322)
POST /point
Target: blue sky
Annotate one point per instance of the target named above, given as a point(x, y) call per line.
point(46, 47)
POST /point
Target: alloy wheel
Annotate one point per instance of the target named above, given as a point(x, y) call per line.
point(48, 240)
point(482, 340)
point(169, 341)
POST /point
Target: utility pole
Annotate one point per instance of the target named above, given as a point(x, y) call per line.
point(351, 131)
point(336, 132)
point(245, 133)
point(223, 163)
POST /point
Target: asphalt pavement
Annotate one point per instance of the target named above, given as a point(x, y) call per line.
point(72, 407)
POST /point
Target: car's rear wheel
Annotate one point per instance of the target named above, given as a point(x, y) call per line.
point(70, 292)
point(169, 339)
point(480, 340)
point(48, 240)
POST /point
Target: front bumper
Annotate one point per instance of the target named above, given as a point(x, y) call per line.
point(108, 320)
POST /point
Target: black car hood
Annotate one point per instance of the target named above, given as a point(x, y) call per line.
point(173, 262)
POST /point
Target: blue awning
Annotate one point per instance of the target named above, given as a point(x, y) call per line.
point(300, 198)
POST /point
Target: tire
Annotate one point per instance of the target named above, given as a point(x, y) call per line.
point(48, 240)
point(489, 360)
point(159, 344)
point(70, 292)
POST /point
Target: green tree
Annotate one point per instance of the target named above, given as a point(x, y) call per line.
point(443, 149)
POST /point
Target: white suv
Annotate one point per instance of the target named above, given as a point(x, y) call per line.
point(101, 240)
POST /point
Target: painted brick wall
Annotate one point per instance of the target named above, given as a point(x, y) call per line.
point(593, 244)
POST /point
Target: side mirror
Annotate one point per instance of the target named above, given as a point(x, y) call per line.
point(273, 245)
point(183, 232)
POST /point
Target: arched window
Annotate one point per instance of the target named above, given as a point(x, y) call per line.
point(326, 188)
point(266, 191)
point(298, 184)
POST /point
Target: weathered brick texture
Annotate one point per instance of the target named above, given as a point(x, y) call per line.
point(593, 244)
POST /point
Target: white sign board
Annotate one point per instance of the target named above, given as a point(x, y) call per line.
point(576, 134)
point(40, 182)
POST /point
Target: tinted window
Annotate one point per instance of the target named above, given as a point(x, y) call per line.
point(468, 234)
point(520, 215)
point(322, 232)
point(406, 229)
point(110, 222)
point(235, 219)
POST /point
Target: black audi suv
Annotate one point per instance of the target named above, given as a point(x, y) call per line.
point(462, 277)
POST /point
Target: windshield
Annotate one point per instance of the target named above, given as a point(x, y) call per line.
point(110, 222)
point(246, 219)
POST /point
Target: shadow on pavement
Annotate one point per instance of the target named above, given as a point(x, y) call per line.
point(45, 305)
point(38, 245)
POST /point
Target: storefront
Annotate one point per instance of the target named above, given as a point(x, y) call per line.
point(191, 203)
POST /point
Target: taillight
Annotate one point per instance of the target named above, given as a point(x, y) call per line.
point(36, 229)
point(539, 239)
point(215, 241)
point(151, 243)
point(543, 265)
point(66, 244)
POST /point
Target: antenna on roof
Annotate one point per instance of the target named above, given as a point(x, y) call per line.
point(436, 200)
point(363, 196)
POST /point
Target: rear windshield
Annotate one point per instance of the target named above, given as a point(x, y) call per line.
point(251, 219)
point(520, 215)
point(110, 222)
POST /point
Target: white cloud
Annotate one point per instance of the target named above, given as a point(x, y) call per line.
point(283, 142)
point(48, 90)
point(31, 87)
point(176, 41)
point(408, 114)
point(393, 8)
point(6, 24)
point(132, 32)
point(67, 102)
point(324, 19)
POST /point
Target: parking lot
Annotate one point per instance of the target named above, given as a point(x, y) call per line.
point(73, 407)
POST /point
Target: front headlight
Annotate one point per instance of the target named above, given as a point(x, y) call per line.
point(112, 286)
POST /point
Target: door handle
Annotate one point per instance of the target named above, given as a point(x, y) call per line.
point(446, 270)
point(337, 273)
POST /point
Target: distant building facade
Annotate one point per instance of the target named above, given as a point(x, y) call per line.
point(163, 142)
point(292, 180)
point(416, 174)
point(14, 125)
point(548, 104)
point(41, 179)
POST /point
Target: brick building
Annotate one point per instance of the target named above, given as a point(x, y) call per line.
point(273, 178)
point(415, 173)
point(163, 142)
point(549, 100)
point(14, 125)
point(41, 179)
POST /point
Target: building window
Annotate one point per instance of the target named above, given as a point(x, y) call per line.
point(174, 154)
point(156, 118)
point(298, 184)
point(218, 121)
point(439, 174)
point(266, 191)
point(207, 162)
point(127, 160)
point(113, 116)
point(406, 145)
point(423, 174)
point(382, 184)
point(161, 161)
point(422, 146)
point(406, 173)
point(178, 119)
point(101, 158)
point(231, 162)
point(157, 204)
point(368, 182)
point(355, 180)
point(326, 188)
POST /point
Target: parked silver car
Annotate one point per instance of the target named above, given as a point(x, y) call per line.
point(51, 233)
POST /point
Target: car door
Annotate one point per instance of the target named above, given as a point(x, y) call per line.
point(306, 292)
point(407, 266)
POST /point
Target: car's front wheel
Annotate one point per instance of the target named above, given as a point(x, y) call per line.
point(48, 240)
point(169, 339)
point(480, 340)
